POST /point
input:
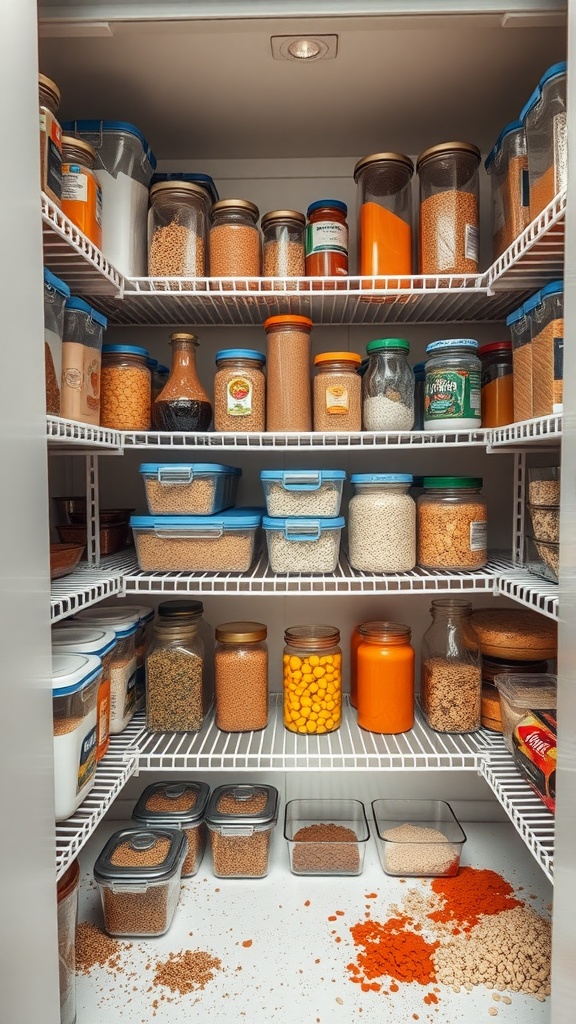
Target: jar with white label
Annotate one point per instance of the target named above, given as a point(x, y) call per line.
point(337, 391)
point(327, 239)
point(240, 390)
point(50, 139)
point(452, 385)
point(81, 192)
point(452, 523)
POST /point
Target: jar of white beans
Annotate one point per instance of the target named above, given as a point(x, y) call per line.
point(382, 523)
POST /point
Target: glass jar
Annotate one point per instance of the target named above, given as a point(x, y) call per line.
point(388, 386)
point(183, 404)
point(50, 140)
point(382, 523)
point(240, 390)
point(235, 246)
point(385, 668)
point(419, 378)
point(67, 899)
point(288, 399)
point(312, 679)
point(451, 668)
point(55, 295)
point(241, 676)
point(174, 675)
point(337, 392)
point(497, 384)
point(507, 166)
point(327, 239)
point(81, 192)
point(449, 223)
point(126, 388)
point(452, 523)
point(182, 611)
point(519, 322)
point(492, 667)
point(544, 119)
point(452, 386)
point(177, 230)
point(81, 362)
point(384, 217)
point(283, 250)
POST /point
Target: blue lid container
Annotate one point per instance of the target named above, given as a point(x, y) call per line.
point(382, 478)
point(334, 204)
point(54, 282)
point(240, 353)
point(448, 343)
point(189, 488)
point(78, 305)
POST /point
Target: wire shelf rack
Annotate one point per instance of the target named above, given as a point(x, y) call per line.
point(310, 440)
point(530, 590)
point(536, 256)
point(71, 256)
point(86, 585)
point(70, 437)
point(544, 431)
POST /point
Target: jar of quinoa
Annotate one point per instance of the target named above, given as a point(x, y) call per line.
point(240, 390)
point(449, 219)
point(283, 251)
point(452, 523)
point(312, 679)
point(337, 391)
point(177, 230)
point(235, 247)
point(288, 399)
point(241, 676)
point(125, 390)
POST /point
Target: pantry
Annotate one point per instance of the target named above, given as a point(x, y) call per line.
point(202, 83)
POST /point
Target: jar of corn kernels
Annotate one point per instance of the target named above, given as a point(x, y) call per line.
point(312, 679)
point(235, 249)
point(125, 394)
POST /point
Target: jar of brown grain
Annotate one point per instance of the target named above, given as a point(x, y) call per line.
point(288, 399)
point(452, 523)
point(337, 391)
point(451, 668)
point(284, 252)
point(241, 676)
point(177, 230)
point(125, 390)
point(240, 390)
point(235, 248)
point(449, 220)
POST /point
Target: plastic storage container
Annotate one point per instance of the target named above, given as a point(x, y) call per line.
point(326, 837)
point(50, 140)
point(55, 295)
point(449, 219)
point(544, 118)
point(81, 362)
point(388, 386)
point(142, 641)
point(520, 694)
point(337, 392)
point(241, 676)
point(543, 558)
point(312, 665)
point(544, 486)
point(67, 899)
point(303, 492)
point(497, 384)
point(452, 386)
point(309, 545)
point(175, 676)
point(385, 678)
point(225, 542)
point(123, 666)
point(125, 399)
point(235, 245)
point(177, 805)
point(545, 522)
point(288, 399)
point(418, 838)
point(183, 404)
point(507, 165)
point(240, 391)
point(327, 239)
point(178, 230)
point(384, 216)
point(240, 819)
point(75, 681)
point(519, 323)
point(452, 523)
point(189, 489)
point(451, 665)
point(382, 523)
point(72, 638)
point(283, 248)
point(492, 667)
point(547, 343)
point(81, 192)
point(138, 873)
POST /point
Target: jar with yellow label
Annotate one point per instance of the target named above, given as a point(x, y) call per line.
point(337, 391)
point(240, 390)
point(81, 192)
point(312, 679)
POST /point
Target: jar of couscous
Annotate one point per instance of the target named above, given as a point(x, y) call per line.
point(312, 679)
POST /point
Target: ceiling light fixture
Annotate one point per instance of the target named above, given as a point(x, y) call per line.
point(304, 48)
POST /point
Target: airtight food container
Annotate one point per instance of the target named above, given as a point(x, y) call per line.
point(520, 694)
point(303, 545)
point(55, 295)
point(326, 837)
point(138, 873)
point(75, 681)
point(224, 542)
point(123, 667)
point(303, 492)
point(73, 638)
point(240, 819)
point(142, 641)
point(418, 838)
point(189, 489)
point(178, 805)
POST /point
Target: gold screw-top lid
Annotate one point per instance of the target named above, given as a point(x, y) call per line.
point(282, 215)
point(184, 336)
point(309, 638)
point(446, 148)
point(241, 632)
point(50, 89)
point(179, 190)
point(235, 204)
point(376, 158)
point(385, 632)
point(77, 149)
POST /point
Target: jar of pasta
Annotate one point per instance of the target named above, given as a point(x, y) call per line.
point(235, 247)
point(385, 216)
point(449, 219)
point(312, 679)
point(50, 140)
point(452, 523)
point(240, 390)
point(337, 391)
point(385, 678)
point(126, 388)
point(283, 251)
point(81, 192)
point(177, 230)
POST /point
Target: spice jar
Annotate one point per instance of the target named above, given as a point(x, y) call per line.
point(507, 165)
point(67, 898)
point(235, 248)
point(337, 392)
point(123, 664)
point(183, 404)
point(312, 679)
point(492, 667)
point(240, 390)
point(327, 239)
point(55, 295)
point(174, 676)
point(452, 386)
point(283, 250)
point(385, 671)
point(544, 119)
point(449, 225)
point(241, 676)
point(388, 386)
point(177, 230)
point(382, 523)
point(497, 384)
point(50, 140)
point(451, 668)
point(177, 805)
point(126, 388)
point(288, 400)
point(73, 638)
point(547, 343)
point(384, 216)
point(81, 192)
point(452, 523)
point(81, 362)
point(240, 819)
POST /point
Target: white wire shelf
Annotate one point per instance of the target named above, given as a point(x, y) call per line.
point(70, 437)
point(112, 773)
point(310, 440)
point(86, 585)
point(73, 257)
point(536, 256)
point(528, 589)
point(542, 432)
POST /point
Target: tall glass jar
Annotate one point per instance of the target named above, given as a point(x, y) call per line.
point(81, 192)
point(384, 216)
point(382, 523)
point(452, 523)
point(126, 388)
point(283, 251)
point(312, 679)
point(240, 390)
point(452, 385)
point(241, 676)
point(235, 246)
point(449, 219)
point(327, 239)
point(185, 610)
point(288, 399)
point(385, 668)
point(174, 673)
point(177, 230)
point(183, 404)
point(388, 386)
point(50, 140)
point(451, 661)
point(337, 392)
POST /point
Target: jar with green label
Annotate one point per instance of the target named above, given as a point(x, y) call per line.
point(452, 385)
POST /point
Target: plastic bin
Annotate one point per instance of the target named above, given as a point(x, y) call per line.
point(507, 165)
point(303, 545)
point(520, 326)
point(81, 362)
point(405, 848)
point(123, 667)
point(178, 805)
point(75, 681)
point(73, 638)
point(240, 819)
point(303, 492)
point(547, 333)
point(326, 837)
point(224, 542)
point(544, 486)
point(545, 522)
point(189, 489)
point(55, 295)
point(544, 119)
point(520, 694)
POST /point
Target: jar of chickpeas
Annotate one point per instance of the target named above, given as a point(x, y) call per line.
point(312, 679)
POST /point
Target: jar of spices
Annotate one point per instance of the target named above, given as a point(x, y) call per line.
point(241, 676)
point(67, 899)
point(497, 384)
point(50, 140)
point(385, 670)
point(452, 523)
point(240, 390)
point(382, 523)
point(337, 392)
point(452, 387)
point(419, 379)
point(174, 675)
point(177, 230)
point(81, 192)
point(388, 386)
point(126, 388)
point(81, 362)
point(312, 679)
point(451, 668)
point(327, 239)
point(449, 221)
point(288, 400)
point(385, 216)
point(491, 667)
point(283, 250)
point(183, 404)
point(235, 247)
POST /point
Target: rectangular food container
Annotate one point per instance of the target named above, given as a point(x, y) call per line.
point(326, 837)
point(403, 846)
point(189, 489)
point(75, 682)
point(224, 542)
point(536, 751)
point(545, 522)
point(520, 694)
point(179, 805)
point(303, 545)
point(542, 558)
point(544, 486)
point(303, 492)
point(240, 819)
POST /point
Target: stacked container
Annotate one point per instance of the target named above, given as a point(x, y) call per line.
point(177, 805)
point(81, 362)
point(507, 165)
point(303, 525)
point(537, 329)
point(542, 555)
point(55, 295)
point(544, 121)
point(123, 665)
point(71, 638)
point(75, 681)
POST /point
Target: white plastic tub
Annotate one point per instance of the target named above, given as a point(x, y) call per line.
point(75, 681)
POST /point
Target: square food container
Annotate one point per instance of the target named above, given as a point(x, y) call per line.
point(179, 805)
point(75, 682)
point(138, 873)
point(520, 694)
point(240, 819)
point(225, 542)
point(303, 545)
point(303, 492)
point(542, 558)
point(326, 837)
point(405, 848)
point(189, 489)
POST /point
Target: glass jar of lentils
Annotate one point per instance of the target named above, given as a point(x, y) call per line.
point(451, 662)
point(337, 391)
point(177, 230)
point(283, 251)
point(452, 523)
point(241, 676)
point(235, 247)
point(240, 390)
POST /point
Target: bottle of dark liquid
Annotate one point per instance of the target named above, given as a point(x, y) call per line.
point(183, 404)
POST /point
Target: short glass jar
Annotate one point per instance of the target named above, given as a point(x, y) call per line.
point(177, 230)
point(497, 384)
point(388, 386)
point(283, 249)
point(50, 140)
point(240, 390)
point(452, 386)
point(382, 523)
point(337, 392)
point(241, 676)
point(288, 399)
point(385, 669)
point(235, 246)
point(174, 675)
point(384, 216)
point(449, 218)
point(452, 523)
point(451, 668)
point(312, 679)
point(327, 239)
point(81, 191)
point(126, 388)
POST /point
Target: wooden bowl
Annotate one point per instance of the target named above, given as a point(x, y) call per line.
point(64, 558)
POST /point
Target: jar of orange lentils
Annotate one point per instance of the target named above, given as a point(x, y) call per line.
point(126, 388)
point(312, 679)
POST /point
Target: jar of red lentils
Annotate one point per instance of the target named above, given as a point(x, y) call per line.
point(312, 679)
point(235, 247)
point(283, 250)
point(125, 391)
point(327, 239)
point(288, 398)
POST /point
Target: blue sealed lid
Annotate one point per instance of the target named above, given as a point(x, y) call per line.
point(204, 180)
point(73, 672)
point(233, 519)
point(240, 353)
point(95, 127)
point(381, 478)
point(128, 350)
point(335, 204)
point(162, 369)
point(553, 72)
point(514, 317)
point(184, 472)
point(532, 302)
point(530, 104)
point(55, 283)
point(512, 126)
point(302, 479)
point(302, 528)
point(448, 343)
point(83, 307)
point(554, 288)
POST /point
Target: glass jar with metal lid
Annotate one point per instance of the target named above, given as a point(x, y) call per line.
point(174, 676)
point(449, 219)
point(235, 246)
point(452, 523)
point(240, 390)
point(327, 239)
point(452, 385)
point(283, 250)
point(81, 192)
point(337, 392)
point(384, 216)
point(451, 666)
point(312, 679)
point(385, 673)
point(177, 230)
point(50, 140)
point(288, 400)
point(241, 676)
point(388, 386)
point(125, 391)
point(180, 611)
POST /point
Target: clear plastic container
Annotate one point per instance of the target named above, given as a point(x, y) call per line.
point(312, 668)
point(303, 545)
point(492, 667)
point(189, 489)
point(384, 216)
point(175, 676)
point(543, 559)
point(547, 343)
point(518, 634)
point(497, 384)
point(544, 118)
point(449, 218)
point(241, 676)
point(67, 898)
point(288, 399)
point(326, 837)
point(142, 642)
point(81, 362)
point(177, 805)
point(178, 230)
point(385, 678)
point(418, 838)
point(81, 192)
point(452, 523)
point(451, 665)
point(452, 386)
point(50, 140)
point(507, 166)
point(283, 249)
point(388, 386)
point(75, 681)
point(544, 486)
point(235, 245)
point(73, 638)
point(138, 873)
point(225, 542)
point(545, 522)
point(240, 391)
point(240, 818)
point(337, 392)
point(124, 665)
point(125, 399)
point(382, 523)
point(55, 295)
point(520, 326)
point(520, 694)
point(303, 492)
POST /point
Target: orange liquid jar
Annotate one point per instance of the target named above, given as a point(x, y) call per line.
point(355, 641)
point(385, 667)
point(81, 192)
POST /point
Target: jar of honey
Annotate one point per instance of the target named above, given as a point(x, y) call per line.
point(385, 670)
point(81, 192)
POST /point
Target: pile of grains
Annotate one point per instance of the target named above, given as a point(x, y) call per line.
point(195, 498)
point(251, 422)
point(546, 523)
point(283, 258)
point(234, 251)
point(446, 243)
point(176, 251)
point(187, 971)
point(544, 492)
point(452, 536)
point(241, 683)
point(125, 396)
point(309, 556)
point(415, 850)
point(382, 412)
point(451, 694)
point(323, 502)
point(232, 552)
point(96, 949)
point(325, 849)
point(382, 530)
point(174, 690)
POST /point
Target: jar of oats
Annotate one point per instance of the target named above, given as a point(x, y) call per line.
point(283, 250)
point(452, 523)
point(451, 662)
point(240, 390)
point(177, 230)
point(337, 391)
point(235, 247)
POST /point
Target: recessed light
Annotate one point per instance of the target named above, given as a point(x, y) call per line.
point(304, 48)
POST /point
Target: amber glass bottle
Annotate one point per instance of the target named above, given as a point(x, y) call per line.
point(183, 404)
